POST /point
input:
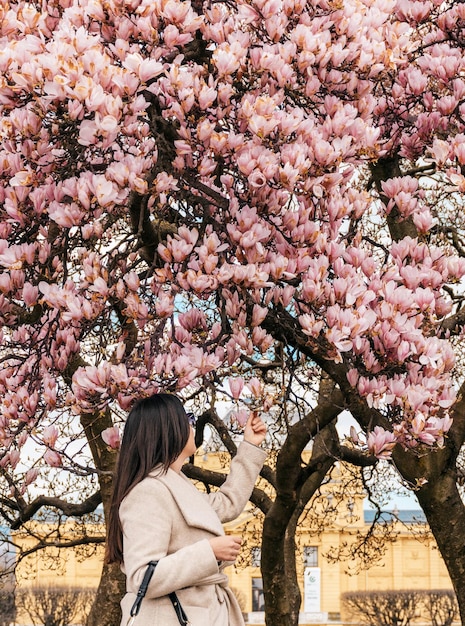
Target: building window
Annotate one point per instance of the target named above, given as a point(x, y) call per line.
point(311, 556)
point(258, 599)
point(255, 556)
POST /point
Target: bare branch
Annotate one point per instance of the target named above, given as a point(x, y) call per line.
point(69, 509)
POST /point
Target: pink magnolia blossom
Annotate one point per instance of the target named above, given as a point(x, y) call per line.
point(164, 306)
point(142, 67)
point(236, 385)
point(225, 59)
point(30, 294)
point(132, 281)
point(255, 386)
point(381, 442)
point(53, 458)
point(193, 319)
point(31, 476)
point(258, 315)
point(50, 435)
point(262, 339)
point(352, 377)
point(159, 214)
point(112, 437)
point(354, 435)
point(66, 215)
point(240, 417)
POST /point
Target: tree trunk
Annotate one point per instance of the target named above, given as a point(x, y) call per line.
point(384, 169)
point(106, 608)
point(280, 586)
point(282, 595)
point(294, 487)
point(445, 513)
point(290, 565)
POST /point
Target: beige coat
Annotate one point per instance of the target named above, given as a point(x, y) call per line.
point(166, 519)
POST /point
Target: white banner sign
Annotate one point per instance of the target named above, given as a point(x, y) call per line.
point(312, 589)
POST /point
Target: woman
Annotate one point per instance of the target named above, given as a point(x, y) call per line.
point(157, 514)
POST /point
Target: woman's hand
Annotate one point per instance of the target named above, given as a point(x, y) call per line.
point(226, 547)
point(255, 430)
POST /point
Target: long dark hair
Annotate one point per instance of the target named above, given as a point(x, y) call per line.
point(156, 431)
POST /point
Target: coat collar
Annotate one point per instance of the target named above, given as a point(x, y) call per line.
point(192, 503)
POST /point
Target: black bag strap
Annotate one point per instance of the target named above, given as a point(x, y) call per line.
point(143, 587)
point(182, 617)
point(180, 613)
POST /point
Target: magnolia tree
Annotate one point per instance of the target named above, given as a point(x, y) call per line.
point(196, 196)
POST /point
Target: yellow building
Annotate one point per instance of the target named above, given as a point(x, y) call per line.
point(56, 581)
point(78, 568)
point(408, 563)
point(411, 561)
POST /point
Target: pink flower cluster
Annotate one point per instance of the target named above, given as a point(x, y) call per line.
point(250, 127)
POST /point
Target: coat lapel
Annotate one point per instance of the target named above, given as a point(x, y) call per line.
point(192, 503)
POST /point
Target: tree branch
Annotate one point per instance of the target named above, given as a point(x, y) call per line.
point(69, 509)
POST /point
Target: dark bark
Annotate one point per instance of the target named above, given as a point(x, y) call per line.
point(445, 512)
point(27, 511)
point(290, 567)
point(106, 608)
point(384, 169)
point(293, 490)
